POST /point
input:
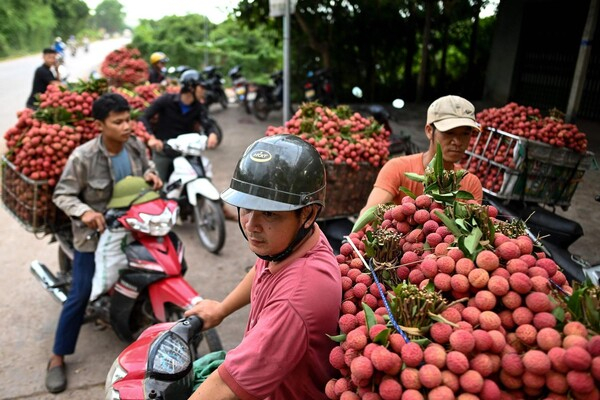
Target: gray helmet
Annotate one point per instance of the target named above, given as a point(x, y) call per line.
point(277, 173)
point(189, 80)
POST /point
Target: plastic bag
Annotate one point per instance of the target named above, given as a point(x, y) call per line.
point(110, 260)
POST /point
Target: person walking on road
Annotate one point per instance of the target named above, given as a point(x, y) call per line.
point(294, 288)
point(158, 62)
point(82, 193)
point(43, 76)
point(451, 123)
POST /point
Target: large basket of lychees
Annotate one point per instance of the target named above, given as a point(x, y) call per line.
point(442, 300)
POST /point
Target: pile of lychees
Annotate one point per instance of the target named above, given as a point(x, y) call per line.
point(466, 319)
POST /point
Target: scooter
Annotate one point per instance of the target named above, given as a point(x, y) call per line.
point(240, 87)
point(268, 97)
point(159, 365)
point(319, 87)
point(191, 186)
point(554, 233)
point(151, 287)
point(214, 92)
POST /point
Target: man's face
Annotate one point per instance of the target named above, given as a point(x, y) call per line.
point(268, 232)
point(116, 127)
point(199, 93)
point(49, 59)
point(453, 142)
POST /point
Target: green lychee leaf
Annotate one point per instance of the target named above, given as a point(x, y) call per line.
point(407, 192)
point(369, 316)
point(338, 338)
point(461, 223)
point(464, 195)
point(472, 240)
point(367, 217)
point(430, 287)
point(559, 314)
point(439, 161)
point(448, 222)
point(382, 337)
point(414, 177)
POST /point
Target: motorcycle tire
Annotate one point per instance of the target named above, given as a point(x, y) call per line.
point(261, 107)
point(210, 224)
point(223, 100)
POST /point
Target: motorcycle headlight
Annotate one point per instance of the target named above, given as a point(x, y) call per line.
point(154, 225)
point(170, 357)
point(115, 374)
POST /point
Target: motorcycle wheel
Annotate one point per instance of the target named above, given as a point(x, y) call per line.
point(223, 100)
point(260, 107)
point(210, 224)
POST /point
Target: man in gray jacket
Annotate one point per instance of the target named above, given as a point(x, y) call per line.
point(83, 191)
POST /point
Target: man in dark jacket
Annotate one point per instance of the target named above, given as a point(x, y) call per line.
point(43, 76)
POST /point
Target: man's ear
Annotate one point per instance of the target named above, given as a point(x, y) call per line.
point(99, 124)
point(429, 132)
point(309, 213)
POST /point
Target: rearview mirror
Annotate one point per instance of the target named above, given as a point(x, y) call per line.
point(357, 92)
point(398, 103)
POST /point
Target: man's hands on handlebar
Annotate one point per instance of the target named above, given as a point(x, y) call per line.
point(210, 311)
point(153, 180)
point(94, 220)
point(158, 145)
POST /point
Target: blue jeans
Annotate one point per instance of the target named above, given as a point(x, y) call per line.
point(73, 311)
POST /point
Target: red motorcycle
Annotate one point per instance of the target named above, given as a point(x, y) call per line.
point(151, 289)
point(159, 365)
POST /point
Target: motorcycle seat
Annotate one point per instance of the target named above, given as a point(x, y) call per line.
point(562, 231)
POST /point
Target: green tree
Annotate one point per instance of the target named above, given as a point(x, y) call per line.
point(25, 26)
point(72, 16)
point(109, 15)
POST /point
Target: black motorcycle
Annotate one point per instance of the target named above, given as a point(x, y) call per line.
point(240, 87)
point(213, 86)
point(268, 97)
point(319, 87)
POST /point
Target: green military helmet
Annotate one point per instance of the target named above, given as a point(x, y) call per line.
point(277, 173)
point(131, 190)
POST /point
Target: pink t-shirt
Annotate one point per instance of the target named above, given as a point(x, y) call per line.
point(284, 354)
point(391, 177)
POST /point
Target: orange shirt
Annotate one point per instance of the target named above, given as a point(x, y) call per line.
point(391, 177)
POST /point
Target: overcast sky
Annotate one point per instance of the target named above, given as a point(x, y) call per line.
point(215, 10)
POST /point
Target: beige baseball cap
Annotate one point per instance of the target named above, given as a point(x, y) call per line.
point(450, 112)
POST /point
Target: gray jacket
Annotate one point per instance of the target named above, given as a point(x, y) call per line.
point(87, 184)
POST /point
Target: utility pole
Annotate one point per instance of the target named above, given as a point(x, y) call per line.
point(286, 62)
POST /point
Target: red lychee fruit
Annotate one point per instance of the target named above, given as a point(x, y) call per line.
point(409, 257)
point(430, 376)
point(396, 342)
point(421, 216)
point(506, 319)
point(502, 272)
point(435, 354)
point(536, 362)
point(390, 389)
point(512, 300)
point(433, 239)
point(408, 208)
point(548, 338)
point(402, 272)
point(348, 307)
point(537, 271)
point(350, 355)
point(349, 396)
point(386, 361)
point(459, 283)
point(500, 238)
point(485, 301)
point(336, 358)
point(487, 260)
point(508, 251)
point(489, 320)
point(483, 340)
point(595, 370)
point(593, 346)
point(464, 266)
point(512, 364)
point(482, 364)
point(423, 201)
point(440, 332)
point(462, 341)
point(499, 340)
point(577, 358)
point(557, 382)
point(533, 381)
point(528, 259)
point(575, 328)
point(441, 249)
point(525, 244)
point(442, 282)
point(520, 283)
point(412, 394)
point(440, 393)
point(347, 323)
point(527, 334)
point(540, 284)
point(498, 285)
point(478, 278)
point(511, 382)
point(471, 315)
point(376, 330)
point(451, 314)
point(559, 278)
point(356, 339)
point(517, 265)
point(411, 354)
point(457, 362)
point(410, 378)
point(368, 350)
point(430, 226)
point(361, 368)
point(580, 381)
point(544, 320)
point(490, 390)
point(445, 264)
point(538, 302)
point(548, 265)
point(471, 382)
point(416, 276)
point(429, 268)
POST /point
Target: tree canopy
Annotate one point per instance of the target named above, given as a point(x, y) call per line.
point(110, 16)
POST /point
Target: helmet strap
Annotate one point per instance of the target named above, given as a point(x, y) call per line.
point(300, 235)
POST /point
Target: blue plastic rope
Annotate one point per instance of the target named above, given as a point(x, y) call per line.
point(379, 287)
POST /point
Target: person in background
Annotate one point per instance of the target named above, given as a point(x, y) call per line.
point(294, 288)
point(450, 122)
point(158, 62)
point(43, 76)
point(82, 193)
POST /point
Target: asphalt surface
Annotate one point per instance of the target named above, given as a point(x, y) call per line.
point(30, 315)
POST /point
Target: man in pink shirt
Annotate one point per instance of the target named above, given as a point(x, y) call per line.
point(294, 288)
